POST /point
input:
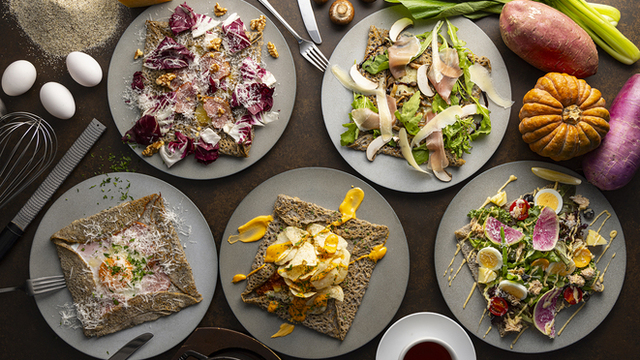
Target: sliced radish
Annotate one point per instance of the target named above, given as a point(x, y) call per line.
point(423, 81)
point(479, 75)
point(360, 80)
point(397, 28)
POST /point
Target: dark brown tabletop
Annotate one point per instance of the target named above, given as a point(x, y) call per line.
point(305, 143)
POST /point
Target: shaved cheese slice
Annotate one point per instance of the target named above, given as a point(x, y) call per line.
point(437, 62)
point(479, 75)
point(406, 150)
point(445, 118)
point(360, 80)
point(345, 79)
point(423, 81)
point(386, 130)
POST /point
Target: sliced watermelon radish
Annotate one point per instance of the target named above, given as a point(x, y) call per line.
point(544, 314)
point(492, 232)
point(546, 230)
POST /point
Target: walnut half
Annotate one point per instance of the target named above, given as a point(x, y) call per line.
point(219, 10)
point(165, 79)
point(272, 50)
point(259, 23)
point(153, 148)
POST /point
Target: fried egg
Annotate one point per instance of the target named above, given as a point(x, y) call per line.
point(126, 264)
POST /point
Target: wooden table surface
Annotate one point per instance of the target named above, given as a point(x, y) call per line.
point(305, 143)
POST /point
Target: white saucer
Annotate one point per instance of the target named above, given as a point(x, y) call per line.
point(424, 324)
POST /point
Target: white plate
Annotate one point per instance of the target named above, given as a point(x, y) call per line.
point(421, 325)
point(92, 196)
point(123, 66)
point(532, 341)
point(388, 171)
point(327, 188)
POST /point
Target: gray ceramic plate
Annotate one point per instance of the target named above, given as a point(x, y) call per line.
point(424, 325)
point(123, 66)
point(327, 188)
point(92, 196)
point(532, 340)
point(391, 172)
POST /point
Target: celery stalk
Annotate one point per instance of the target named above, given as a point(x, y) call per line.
point(607, 11)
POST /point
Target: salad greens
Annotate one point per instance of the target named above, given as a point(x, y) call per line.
point(458, 136)
point(516, 275)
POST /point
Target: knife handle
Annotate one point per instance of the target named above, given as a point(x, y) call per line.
point(8, 237)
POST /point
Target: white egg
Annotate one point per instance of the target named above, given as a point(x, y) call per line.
point(18, 77)
point(84, 69)
point(57, 100)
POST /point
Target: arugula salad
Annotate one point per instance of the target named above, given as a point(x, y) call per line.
point(415, 103)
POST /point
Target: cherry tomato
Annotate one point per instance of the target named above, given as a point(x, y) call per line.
point(498, 306)
point(572, 295)
point(519, 209)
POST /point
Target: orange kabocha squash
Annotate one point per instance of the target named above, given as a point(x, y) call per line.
point(563, 117)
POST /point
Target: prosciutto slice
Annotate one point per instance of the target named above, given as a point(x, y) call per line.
point(400, 54)
point(445, 69)
point(219, 111)
point(437, 157)
point(365, 119)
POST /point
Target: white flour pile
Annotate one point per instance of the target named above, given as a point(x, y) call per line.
point(61, 26)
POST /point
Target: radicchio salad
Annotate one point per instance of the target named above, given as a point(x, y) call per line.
point(418, 97)
point(202, 88)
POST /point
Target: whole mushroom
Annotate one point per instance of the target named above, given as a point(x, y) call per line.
point(341, 12)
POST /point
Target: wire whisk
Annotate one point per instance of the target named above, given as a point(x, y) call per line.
point(28, 145)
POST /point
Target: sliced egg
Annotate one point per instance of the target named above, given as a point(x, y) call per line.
point(486, 276)
point(549, 198)
point(559, 268)
point(490, 258)
point(517, 290)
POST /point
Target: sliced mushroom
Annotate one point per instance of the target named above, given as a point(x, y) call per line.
point(397, 28)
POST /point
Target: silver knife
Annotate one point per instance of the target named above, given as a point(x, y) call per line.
point(131, 347)
point(14, 230)
point(309, 19)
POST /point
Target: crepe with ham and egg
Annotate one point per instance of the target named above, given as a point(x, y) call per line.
point(125, 266)
point(330, 311)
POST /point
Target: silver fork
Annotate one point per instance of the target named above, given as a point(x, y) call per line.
point(308, 50)
point(40, 285)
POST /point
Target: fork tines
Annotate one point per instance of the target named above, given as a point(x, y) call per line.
point(45, 284)
point(317, 58)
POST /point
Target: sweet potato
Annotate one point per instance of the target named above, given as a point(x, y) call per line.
point(613, 164)
point(548, 39)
